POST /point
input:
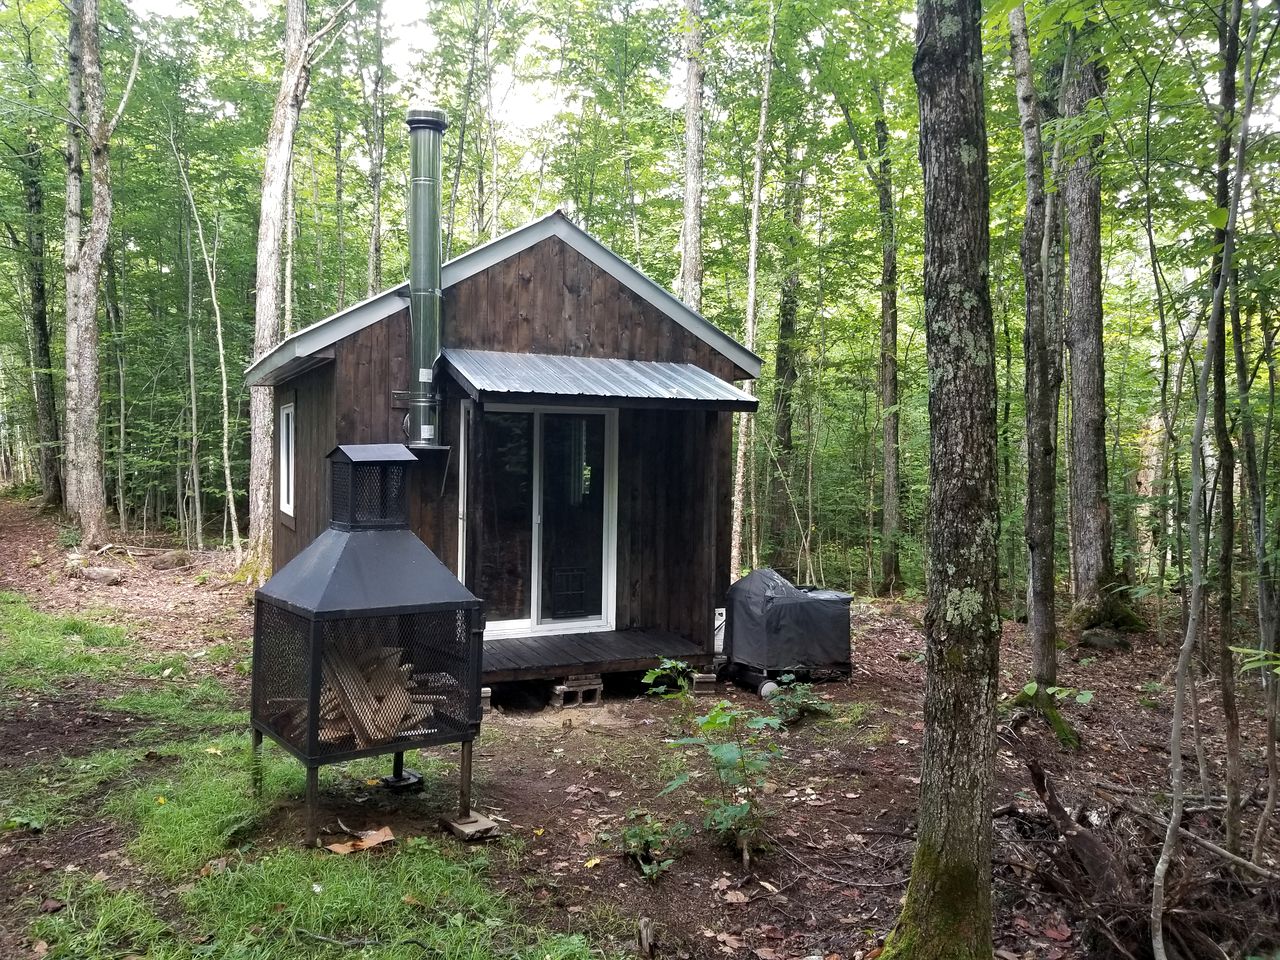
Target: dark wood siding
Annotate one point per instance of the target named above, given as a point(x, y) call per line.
point(674, 465)
point(671, 521)
point(311, 393)
point(551, 299)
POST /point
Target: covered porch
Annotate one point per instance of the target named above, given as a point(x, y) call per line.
point(594, 507)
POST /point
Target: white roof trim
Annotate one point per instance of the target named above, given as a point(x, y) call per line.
point(292, 355)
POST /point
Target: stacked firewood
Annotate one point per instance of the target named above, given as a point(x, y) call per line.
point(369, 696)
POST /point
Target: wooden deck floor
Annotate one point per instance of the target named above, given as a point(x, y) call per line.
point(564, 655)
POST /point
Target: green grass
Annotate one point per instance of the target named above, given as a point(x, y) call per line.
point(42, 797)
point(276, 903)
point(37, 649)
point(204, 805)
point(204, 706)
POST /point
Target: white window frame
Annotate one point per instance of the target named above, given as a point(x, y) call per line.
point(287, 469)
point(531, 627)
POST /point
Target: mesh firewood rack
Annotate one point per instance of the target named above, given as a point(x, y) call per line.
point(365, 644)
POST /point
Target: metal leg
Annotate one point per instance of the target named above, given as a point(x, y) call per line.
point(464, 787)
point(255, 762)
point(397, 765)
point(313, 784)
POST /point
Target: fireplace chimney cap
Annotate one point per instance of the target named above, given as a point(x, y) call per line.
point(432, 118)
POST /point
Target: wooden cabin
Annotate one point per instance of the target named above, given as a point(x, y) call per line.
point(580, 480)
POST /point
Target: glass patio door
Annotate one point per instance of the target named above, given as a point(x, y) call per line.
point(549, 520)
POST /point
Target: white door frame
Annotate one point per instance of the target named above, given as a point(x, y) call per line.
point(533, 626)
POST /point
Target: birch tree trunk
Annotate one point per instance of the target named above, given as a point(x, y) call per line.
point(1041, 382)
point(71, 239)
point(753, 260)
point(271, 226)
point(689, 282)
point(947, 913)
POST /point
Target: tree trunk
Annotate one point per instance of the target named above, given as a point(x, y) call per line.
point(1216, 334)
point(339, 213)
point(753, 260)
point(1092, 563)
point(689, 283)
point(1041, 383)
point(271, 225)
point(71, 240)
point(891, 510)
point(115, 318)
point(947, 913)
point(1229, 49)
point(211, 277)
point(84, 470)
point(375, 125)
point(781, 475)
point(31, 170)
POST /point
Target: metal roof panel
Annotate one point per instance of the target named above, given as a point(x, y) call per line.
point(492, 375)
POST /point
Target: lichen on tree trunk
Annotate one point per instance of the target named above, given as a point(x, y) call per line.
point(948, 906)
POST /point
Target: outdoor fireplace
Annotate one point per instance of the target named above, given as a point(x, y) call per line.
point(365, 643)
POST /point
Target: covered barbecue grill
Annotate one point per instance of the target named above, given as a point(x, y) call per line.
point(775, 627)
point(365, 643)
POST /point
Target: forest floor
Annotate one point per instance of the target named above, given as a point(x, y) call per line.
point(130, 830)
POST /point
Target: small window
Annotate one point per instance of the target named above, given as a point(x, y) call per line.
point(286, 459)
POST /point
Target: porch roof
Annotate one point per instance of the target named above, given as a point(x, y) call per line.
point(491, 376)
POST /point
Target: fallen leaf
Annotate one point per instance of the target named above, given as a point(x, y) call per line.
point(1059, 932)
point(411, 900)
point(217, 752)
point(51, 906)
point(100, 876)
point(538, 831)
point(592, 862)
point(766, 953)
point(39, 948)
point(768, 886)
point(735, 896)
point(214, 867)
point(364, 841)
point(161, 801)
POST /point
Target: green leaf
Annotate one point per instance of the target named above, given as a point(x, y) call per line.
point(1031, 688)
point(1084, 697)
point(1218, 218)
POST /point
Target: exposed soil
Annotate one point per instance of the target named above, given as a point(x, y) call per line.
point(841, 792)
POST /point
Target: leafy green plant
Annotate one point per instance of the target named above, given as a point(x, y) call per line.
point(68, 537)
point(732, 739)
point(673, 680)
point(1061, 694)
point(651, 844)
point(794, 701)
point(1255, 659)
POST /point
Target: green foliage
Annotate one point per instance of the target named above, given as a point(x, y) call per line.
point(734, 742)
point(68, 537)
point(1082, 697)
point(652, 844)
point(1256, 659)
point(673, 680)
point(794, 701)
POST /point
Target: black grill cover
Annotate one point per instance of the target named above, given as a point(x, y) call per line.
point(774, 625)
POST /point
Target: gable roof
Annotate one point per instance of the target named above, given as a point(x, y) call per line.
point(307, 347)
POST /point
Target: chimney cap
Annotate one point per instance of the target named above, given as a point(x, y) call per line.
point(431, 118)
